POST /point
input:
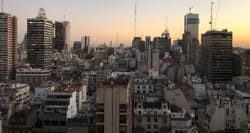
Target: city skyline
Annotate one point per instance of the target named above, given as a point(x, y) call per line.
point(103, 20)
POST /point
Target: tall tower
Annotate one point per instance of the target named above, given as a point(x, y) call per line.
point(85, 43)
point(62, 38)
point(217, 55)
point(39, 40)
point(191, 24)
point(8, 46)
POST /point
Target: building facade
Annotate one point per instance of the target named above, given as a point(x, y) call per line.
point(32, 76)
point(39, 40)
point(115, 117)
point(191, 24)
point(217, 55)
point(8, 46)
point(62, 38)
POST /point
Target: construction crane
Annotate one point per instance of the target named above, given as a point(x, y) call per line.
point(211, 17)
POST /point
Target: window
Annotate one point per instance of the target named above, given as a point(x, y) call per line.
point(148, 119)
point(100, 107)
point(148, 126)
point(155, 119)
point(122, 129)
point(123, 119)
point(227, 111)
point(155, 126)
point(100, 129)
point(123, 108)
point(100, 118)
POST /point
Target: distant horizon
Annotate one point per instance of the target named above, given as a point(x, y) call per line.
point(103, 20)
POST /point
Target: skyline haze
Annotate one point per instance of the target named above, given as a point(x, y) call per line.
point(102, 20)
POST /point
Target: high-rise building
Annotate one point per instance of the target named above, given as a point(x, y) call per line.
point(153, 62)
point(163, 43)
point(39, 40)
point(190, 48)
point(191, 24)
point(217, 55)
point(113, 107)
point(62, 38)
point(85, 43)
point(8, 46)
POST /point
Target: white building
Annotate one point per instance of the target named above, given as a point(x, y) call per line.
point(81, 95)
point(191, 24)
point(153, 62)
point(60, 106)
point(181, 121)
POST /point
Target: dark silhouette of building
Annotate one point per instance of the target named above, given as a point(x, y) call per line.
point(62, 38)
point(163, 43)
point(8, 46)
point(217, 55)
point(39, 40)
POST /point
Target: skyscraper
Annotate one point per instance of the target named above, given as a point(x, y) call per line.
point(85, 43)
point(39, 40)
point(62, 38)
point(8, 46)
point(163, 43)
point(217, 55)
point(191, 24)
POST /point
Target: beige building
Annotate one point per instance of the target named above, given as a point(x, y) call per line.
point(113, 107)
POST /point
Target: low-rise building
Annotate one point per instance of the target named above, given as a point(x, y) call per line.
point(151, 111)
point(59, 107)
point(181, 121)
point(40, 93)
point(32, 76)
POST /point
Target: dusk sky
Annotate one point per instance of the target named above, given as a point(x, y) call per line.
point(102, 19)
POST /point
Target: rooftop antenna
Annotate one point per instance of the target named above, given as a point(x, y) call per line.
point(211, 18)
point(1, 5)
point(166, 28)
point(190, 9)
point(135, 17)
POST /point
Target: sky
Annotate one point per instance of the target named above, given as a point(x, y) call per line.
point(112, 20)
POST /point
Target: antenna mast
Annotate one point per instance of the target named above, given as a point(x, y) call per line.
point(211, 19)
point(135, 17)
point(190, 9)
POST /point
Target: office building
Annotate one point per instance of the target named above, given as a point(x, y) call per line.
point(163, 43)
point(217, 55)
point(39, 40)
point(86, 43)
point(115, 117)
point(62, 36)
point(8, 46)
point(191, 24)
